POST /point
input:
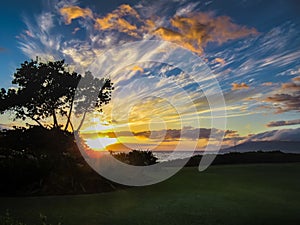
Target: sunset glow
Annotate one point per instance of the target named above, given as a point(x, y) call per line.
point(156, 105)
point(100, 144)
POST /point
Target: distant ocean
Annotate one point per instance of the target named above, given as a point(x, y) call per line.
point(163, 156)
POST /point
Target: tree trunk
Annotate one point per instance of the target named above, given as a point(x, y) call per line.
point(81, 122)
point(38, 122)
point(69, 115)
point(55, 123)
point(72, 127)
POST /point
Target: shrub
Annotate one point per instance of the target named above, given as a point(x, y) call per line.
point(136, 157)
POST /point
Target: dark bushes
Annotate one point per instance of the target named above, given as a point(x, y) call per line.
point(136, 157)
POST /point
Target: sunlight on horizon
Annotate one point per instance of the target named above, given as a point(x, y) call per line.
point(100, 144)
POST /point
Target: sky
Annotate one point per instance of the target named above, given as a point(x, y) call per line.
point(249, 51)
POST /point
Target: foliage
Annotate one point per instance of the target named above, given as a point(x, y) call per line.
point(40, 161)
point(44, 159)
point(136, 157)
point(44, 90)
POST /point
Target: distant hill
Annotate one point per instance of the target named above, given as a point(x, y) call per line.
point(283, 146)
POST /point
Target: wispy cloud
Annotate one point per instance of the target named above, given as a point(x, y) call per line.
point(283, 123)
point(38, 40)
point(237, 68)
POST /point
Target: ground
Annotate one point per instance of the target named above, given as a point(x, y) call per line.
point(232, 194)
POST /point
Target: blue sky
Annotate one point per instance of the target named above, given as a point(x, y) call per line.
point(252, 48)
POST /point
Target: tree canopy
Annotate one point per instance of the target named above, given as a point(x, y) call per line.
point(45, 90)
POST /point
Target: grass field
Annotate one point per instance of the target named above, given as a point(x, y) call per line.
point(233, 194)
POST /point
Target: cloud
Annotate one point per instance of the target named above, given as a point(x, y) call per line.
point(267, 84)
point(172, 137)
point(102, 32)
point(185, 133)
point(296, 79)
point(285, 102)
point(187, 9)
point(137, 68)
point(236, 86)
point(73, 12)
point(196, 30)
point(116, 21)
point(28, 33)
point(283, 123)
point(295, 72)
point(46, 21)
point(288, 98)
point(38, 39)
point(277, 135)
point(220, 60)
point(2, 49)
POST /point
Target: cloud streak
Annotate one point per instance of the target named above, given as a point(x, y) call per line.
point(283, 123)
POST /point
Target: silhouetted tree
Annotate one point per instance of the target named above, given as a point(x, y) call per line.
point(91, 95)
point(136, 157)
point(45, 90)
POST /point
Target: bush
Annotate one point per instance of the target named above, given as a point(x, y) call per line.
point(136, 157)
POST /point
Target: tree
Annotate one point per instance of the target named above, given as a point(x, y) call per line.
point(91, 95)
point(45, 90)
point(136, 157)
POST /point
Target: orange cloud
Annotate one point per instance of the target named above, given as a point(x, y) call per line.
point(116, 21)
point(192, 32)
point(74, 12)
point(296, 79)
point(196, 31)
point(125, 26)
point(291, 86)
point(236, 86)
point(137, 68)
point(176, 37)
point(220, 60)
point(126, 9)
point(105, 22)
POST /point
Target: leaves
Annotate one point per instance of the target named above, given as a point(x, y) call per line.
point(47, 89)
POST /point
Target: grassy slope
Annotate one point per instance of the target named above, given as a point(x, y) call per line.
point(232, 194)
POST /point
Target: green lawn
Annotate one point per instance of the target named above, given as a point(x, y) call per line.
point(233, 194)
